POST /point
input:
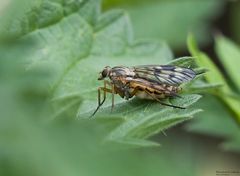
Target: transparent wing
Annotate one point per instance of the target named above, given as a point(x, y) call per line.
point(164, 74)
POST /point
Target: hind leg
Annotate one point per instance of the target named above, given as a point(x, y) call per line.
point(162, 103)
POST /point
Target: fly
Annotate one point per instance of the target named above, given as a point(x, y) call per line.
point(154, 82)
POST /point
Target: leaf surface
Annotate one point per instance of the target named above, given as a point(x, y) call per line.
point(75, 41)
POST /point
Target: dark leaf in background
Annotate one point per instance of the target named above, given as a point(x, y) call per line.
point(234, 21)
point(171, 20)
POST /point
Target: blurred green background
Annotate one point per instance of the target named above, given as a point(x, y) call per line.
point(39, 131)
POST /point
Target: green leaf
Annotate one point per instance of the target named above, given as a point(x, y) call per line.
point(201, 86)
point(217, 119)
point(153, 119)
point(79, 44)
point(26, 16)
point(144, 111)
point(229, 54)
point(215, 77)
point(134, 142)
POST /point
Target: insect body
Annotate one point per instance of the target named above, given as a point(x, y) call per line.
point(154, 82)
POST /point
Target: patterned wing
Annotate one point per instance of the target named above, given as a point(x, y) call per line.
point(164, 74)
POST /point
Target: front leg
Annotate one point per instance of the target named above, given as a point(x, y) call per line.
point(105, 91)
point(112, 91)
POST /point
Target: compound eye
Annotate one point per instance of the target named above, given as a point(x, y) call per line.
point(104, 73)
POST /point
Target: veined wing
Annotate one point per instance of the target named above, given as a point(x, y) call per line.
point(164, 74)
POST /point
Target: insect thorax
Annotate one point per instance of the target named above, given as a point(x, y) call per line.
point(121, 72)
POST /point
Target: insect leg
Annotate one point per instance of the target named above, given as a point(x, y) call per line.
point(162, 103)
point(99, 96)
point(99, 102)
point(112, 98)
point(112, 91)
point(135, 90)
point(105, 90)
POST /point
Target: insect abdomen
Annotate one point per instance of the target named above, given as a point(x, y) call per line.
point(148, 93)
